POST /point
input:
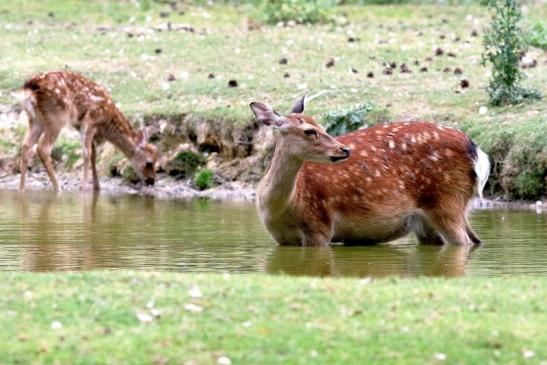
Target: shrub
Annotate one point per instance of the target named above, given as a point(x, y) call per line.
point(504, 45)
point(537, 36)
point(184, 164)
point(299, 11)
point(204, 179)
point(129, 175)
point(344, 120)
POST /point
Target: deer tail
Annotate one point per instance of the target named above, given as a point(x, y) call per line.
point(27, 98)
point(481, 166)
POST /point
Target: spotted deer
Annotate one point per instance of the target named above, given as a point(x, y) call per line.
point(53, 100)
point(399, 177)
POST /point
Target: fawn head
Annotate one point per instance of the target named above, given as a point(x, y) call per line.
point(301, 136)
point(145, 157)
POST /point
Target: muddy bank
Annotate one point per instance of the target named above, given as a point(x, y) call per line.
point(165, 188)
point(236, 152)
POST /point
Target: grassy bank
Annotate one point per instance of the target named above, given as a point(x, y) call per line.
point(162, 318)
point(130, 49)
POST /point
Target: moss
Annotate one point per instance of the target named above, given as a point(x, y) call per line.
point(129, 175)
point(204, 179)
point(185, 164)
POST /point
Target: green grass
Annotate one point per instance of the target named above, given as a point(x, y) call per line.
point(91, 37)
point(254, 319)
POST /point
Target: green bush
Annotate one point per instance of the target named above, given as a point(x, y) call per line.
point(299, 11)
point(204, 179)
point(504, 44)
point(537, 37)
point(185, 164)
point(343, 120)
point(129, 175)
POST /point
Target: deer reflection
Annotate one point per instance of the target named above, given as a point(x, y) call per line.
point(374, 261)
point(48, 241)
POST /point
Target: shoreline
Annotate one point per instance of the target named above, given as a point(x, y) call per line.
point(167, 188)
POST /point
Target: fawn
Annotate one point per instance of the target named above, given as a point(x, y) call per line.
point(53, 100)
point(399, 177)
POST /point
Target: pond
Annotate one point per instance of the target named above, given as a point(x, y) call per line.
point(42, 232)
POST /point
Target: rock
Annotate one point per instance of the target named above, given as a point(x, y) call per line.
point(464, 83)
point(330, 62)
point(423, 69)
point(211, 76)
point(458, 71)
point(283, 61)
point(388, 71)
point(474, 33)
point(286, 75)
point(232, 83)
point(171, 77)
point(446, 69)
point(370, 74)
point(451, 54)
point(158, 51)
point(354, 70)
point(439, 52)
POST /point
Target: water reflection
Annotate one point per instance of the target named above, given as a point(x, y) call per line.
point(40, 231)
point(377, 261)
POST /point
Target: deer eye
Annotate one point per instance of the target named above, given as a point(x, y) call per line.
point(310, 132)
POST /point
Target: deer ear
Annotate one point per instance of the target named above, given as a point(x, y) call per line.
point(298, 107)
point(265, 114)
point(141, 137)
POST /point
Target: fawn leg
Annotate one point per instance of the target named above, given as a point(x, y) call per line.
point(88, 135)
point(33, 134)
point(96, 185)
point(45, 145)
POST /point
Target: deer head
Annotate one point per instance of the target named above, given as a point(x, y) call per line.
point(145, 157)
point(300, 136)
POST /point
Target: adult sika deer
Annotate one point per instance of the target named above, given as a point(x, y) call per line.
point(398, 178)
point(53, 100)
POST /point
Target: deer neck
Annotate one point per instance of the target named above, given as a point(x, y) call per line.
point(121, 135)
point(276, 189)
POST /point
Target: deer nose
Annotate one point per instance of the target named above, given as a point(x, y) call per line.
point(346, 151)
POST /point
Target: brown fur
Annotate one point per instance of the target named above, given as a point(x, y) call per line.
point(400, 177)
point(56, 99)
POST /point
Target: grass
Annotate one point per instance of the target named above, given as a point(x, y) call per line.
point(108, 317)
point(94, 38)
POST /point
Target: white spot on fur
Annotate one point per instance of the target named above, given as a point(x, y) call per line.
point(391, 144)
point(403, 146)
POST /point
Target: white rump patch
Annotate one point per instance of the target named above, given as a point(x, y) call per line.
point(482, 169)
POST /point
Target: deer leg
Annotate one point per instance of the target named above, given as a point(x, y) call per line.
point(425, 232)
point(88, 135)
point(451, 223)
point(45, 146)
point(472, 235)
point(33, 134)
point(96, 185)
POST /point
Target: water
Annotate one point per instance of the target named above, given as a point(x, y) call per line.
point(41, 232)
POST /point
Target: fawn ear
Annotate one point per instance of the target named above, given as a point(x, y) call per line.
point(299, 105)
point(142, 137)
point(265, 114)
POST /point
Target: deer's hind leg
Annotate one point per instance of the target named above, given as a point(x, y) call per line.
point(45, 145)
point(35, 130)
point(451, 222)
point(425, 232)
